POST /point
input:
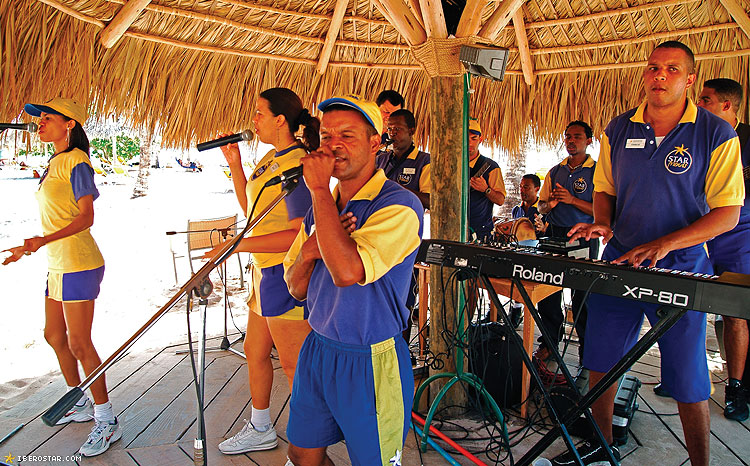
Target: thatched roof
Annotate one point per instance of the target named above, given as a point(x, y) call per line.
point(193, 68)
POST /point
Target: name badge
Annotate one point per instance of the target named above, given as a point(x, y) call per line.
point(635, 144)
point(410, 171)
point(274, 167)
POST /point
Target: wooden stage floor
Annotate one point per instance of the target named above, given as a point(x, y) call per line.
point(154, 399)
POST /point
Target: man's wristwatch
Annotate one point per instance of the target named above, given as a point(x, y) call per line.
point(488, 190)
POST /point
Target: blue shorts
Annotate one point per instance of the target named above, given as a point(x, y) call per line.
point(614, 324)
point(269, 295)
point(74, 286)
point(362, 394)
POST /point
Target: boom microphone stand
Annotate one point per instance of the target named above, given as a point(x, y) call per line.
point(225, 344)
point(198, 284)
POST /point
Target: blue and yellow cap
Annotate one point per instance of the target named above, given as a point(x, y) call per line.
point(59, 106)
point(474, 127)
point(367, 108)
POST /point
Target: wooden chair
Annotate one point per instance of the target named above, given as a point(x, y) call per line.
point(207, 234)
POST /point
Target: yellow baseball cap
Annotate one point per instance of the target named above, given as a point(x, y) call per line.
point(59, 106)
point(368, 108)
point(474, 127)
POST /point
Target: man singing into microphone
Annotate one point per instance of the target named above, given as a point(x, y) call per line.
point(354, 379)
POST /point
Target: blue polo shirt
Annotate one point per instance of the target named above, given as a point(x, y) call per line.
point(412, 173)
point(388, 232)
point(531, 214)
point(695, 168)
point(579, 182)
point(480, 207)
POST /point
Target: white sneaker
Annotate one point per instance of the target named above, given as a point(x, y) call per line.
point(288, 462)
point(78, 413)
point(249, 439)
point(102, 435)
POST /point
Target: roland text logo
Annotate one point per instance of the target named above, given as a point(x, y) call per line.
point(537, 275)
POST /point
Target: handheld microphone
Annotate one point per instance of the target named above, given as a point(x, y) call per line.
point(246, 135)
point(291, 174)
point(30, 127)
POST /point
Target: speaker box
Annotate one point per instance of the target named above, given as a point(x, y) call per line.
point(494, 359)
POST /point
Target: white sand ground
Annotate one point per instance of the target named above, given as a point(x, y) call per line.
point(139, 276)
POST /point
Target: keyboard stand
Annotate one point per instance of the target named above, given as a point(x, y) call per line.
point(668, 317)
point(560, 422)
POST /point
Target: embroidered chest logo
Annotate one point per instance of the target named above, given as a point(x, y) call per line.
point(260, 170)
point(404, 178)
point(678, 161)
point(580, 185)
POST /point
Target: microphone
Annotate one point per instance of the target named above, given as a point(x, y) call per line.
point(246, 135)
point(287, 175)
point(30, 127)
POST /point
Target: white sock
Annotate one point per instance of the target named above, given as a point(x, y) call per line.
point(82, 401)
point(104, 412)
point(261, 419)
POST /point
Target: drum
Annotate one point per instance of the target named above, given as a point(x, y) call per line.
point(519, 229)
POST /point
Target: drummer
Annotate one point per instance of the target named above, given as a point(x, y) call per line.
point(566, 199)
point(529, 190)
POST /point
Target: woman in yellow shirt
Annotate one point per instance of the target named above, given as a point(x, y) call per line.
point(275, 318)
point(66, 206)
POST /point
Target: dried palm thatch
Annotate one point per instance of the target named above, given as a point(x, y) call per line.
point(194, 68)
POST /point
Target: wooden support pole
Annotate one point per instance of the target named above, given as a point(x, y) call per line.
point(499, 19)
point(434, 19)
point(333, 31)
point(471, 17)
point(523, 47)
point(403, 19)
point(739, 15)
point(121, 22)
point(446, 140)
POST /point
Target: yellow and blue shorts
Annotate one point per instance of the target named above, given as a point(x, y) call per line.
point(614, 324)
point(74, 286)
point(362, 394)
point(269, 295)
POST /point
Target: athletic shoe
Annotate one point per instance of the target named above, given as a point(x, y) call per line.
point(78, 413)
point(659, 390)
point(102, 435)
point(249, 439)
point(736, 400)
point(592, 454)
point(288, 462)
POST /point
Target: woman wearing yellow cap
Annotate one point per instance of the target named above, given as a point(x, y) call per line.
point(66, 205)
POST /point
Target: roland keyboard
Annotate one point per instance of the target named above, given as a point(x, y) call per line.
point(728, 294)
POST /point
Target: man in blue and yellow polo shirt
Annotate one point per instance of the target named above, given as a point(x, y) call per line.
point(668, 179)
point(730, 252)
point(487, 186)
point(566, 199)
point(352, 262)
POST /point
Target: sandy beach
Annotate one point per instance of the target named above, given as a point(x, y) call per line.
point(139, 276)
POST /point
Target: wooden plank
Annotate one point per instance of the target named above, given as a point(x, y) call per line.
point(737, 12)
point(121, 22)
point(163, 455)
point(403, 19)
point(527, 65)
point(66, 440)
point(499, 19)
point(471, 17)
point(119, 458)
point(216, 457)
point(434, 19)
point(179, 413)
point(333, 31)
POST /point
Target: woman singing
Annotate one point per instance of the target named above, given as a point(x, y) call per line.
point(275, 318)
point(66, 205)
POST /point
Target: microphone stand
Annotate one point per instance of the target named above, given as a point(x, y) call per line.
point(225, 344)
point(198, 284)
